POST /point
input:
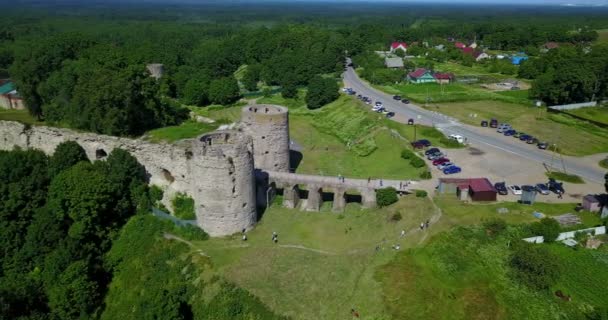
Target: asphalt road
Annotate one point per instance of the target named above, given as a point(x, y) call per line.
point(481, 138)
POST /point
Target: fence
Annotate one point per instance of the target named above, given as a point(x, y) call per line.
point(568, 235)
point(163, 215)
point(574, 106)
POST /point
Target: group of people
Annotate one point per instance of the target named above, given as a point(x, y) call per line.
point(275, 237)
point(424, 225)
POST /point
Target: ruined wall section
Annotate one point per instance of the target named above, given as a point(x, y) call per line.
point(224, 182)
point(269, 127)
point(166, 164)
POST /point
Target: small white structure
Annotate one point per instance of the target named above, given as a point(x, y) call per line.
point(569, 235)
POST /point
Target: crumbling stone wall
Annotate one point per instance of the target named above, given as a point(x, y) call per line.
point(224, 183)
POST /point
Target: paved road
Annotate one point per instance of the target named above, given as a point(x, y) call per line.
point(481, 136)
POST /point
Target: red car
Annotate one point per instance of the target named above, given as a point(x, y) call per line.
point(439, 161)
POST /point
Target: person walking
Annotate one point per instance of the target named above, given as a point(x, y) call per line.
point(427, 223)
point(402, 233)
point(421, 225)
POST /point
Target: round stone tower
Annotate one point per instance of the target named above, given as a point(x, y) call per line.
point(223, 182)
point(269, 127)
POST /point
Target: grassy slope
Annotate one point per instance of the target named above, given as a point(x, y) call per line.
point(323, 284)
point(22, 116)
point(576, 137)
point(599, 114)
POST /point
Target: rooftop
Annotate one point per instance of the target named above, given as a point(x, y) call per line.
point(7, 87)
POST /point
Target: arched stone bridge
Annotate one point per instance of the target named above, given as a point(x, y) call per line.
point(317, 188)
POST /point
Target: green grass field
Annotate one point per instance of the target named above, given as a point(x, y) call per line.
point(576, 137)
point(186, 130)
point(22, 116)
point(602, 35)
point(324, 263)
point(454, 92)
point(560, 176)
point(599, 114)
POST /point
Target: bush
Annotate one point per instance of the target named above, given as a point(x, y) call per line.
point(190, 232)
point(421, 194)
point(386, 197)
point(572, 178)
point(534, 266)
point(407, 154)
point(156, 194)
point(547, 227)
point(416, 162)
point(426, 175)
point(321, 91)
point(183, 207)
point(495, 226)
point(396, 217)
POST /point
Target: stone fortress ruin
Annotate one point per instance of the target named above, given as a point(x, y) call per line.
point(230, 174)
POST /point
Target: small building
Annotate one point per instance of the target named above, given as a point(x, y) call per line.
point(468, 51)
point(460, 45)
point(9, 97)
point(443, 78)
point(473, 45)
point(475, 189)
point(528, 195)
point(393, 63)
point(478, 55)
point(421, 75)
point(440, 47)
point(551, 45)
point(591, 203)
point(518, 58)
point(398, 46)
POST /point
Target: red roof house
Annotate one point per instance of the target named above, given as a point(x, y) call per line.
point(468, 50)
point(460, 45)
point(398, 45)
point(479, 189)
point(551, 45)
point(444, 77)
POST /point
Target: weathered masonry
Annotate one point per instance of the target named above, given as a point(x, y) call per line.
point(228, 173)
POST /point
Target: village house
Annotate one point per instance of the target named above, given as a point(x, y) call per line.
point(398, 46)
point(393, 63)
point(9, 98)
point(421, 75)
point(478, 55)
point(443, 78)
point(460, 45)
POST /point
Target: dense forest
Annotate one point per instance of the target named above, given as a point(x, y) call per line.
point(75, 234)
point(86, 68)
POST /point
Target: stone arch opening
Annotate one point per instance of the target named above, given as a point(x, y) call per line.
point(100, 154)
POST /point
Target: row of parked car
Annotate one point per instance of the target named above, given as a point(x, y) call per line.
point(399, 98)
point(507, 130)
point(440, 161)
point(542, 188)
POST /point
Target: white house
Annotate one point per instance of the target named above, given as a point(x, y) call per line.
point(398, 45)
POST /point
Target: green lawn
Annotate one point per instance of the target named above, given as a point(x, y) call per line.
point(560, 176)
point(453, 92)
point(324, 263)
point(186, 130)
point(602, 35)
point(576, 137)
point(22, 116)
point(599, 114)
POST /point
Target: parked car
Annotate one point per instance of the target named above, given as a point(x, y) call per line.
point(346, 89)
point(517, 134)
point(439, 161)
point(525, 137)
point(515, 189)
point(501, 188)
point(410, 121)
point(452, 170)
point(397, 98)
point(431, 150)
point(425, 142)
point(532, 141)
point(390, 114)
point(542, 145)
point(418, 145)
point(556, 187)
point(504, 127)
point(406, 101)
point(359, 97)
point(377, 108)
point(510, 132)
point(457, 137)
point(493, 123)
point(378, 103)
point(435, 156)
point(484, 123)
point(542, 188)
point(444, 166)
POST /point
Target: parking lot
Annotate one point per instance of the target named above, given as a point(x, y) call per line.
point(504, 166)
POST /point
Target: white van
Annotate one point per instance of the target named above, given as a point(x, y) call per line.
point(457, 137)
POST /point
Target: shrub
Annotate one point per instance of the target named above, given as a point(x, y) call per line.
point(386, 197)
point(183, 207)
point(421, 194)
point(534, 266)
point(321, 91)
point(572, 178)
point(450, 143)
point(426, 175)
point(416, 162)
point(431, 133)
point(190, 232)
point(547, 227)
point(396, 217)
point(407, 154)
point(156, 194)
point(495, 226)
